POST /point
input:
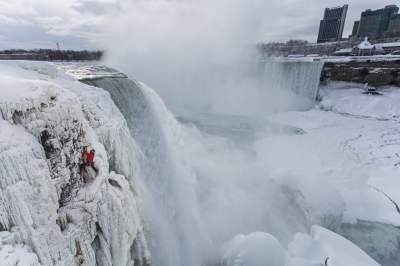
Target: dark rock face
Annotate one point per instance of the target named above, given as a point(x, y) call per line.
point(379, 73)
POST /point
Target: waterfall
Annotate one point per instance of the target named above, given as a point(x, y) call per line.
point(171, 200)
point(298, 77)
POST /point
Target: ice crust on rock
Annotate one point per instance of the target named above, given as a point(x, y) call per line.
point(319, 248)
point(325, 247)
point(46, 118)
point(256, 249)
point(12, 253)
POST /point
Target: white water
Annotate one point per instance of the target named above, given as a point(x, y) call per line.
point(283, 78)
point(170, 203)
point(202, 188)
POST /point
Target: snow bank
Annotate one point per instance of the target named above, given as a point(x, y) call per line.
point(12, 254)
point(256, 249)
point(352, 101)
point(323, 247)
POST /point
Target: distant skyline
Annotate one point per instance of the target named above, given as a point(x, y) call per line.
point(81, 24)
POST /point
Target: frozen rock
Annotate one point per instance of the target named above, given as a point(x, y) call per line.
point(255, 249)
point(323, 247)
point(12, 253)
point(44, 123)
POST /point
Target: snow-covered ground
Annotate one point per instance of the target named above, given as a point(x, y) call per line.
point(354, 141)
point(347, 164)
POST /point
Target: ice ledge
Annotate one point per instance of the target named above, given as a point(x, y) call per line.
point(82, 71)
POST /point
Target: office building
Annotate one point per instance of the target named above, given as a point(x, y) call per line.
point(355, 28)
point(374, 23)
point(394, 27)
point(331, 26)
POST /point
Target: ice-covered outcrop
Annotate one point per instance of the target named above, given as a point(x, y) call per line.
point(46, 118)
point(323, 247)
point(319, 248)
point(12, 253)
point(256, 249)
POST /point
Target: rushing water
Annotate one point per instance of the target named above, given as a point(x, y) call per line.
point(204, 182)
point(171, 206)
point(301, 77)
point(204, 179)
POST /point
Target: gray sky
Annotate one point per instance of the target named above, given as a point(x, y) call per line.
point(84, 24)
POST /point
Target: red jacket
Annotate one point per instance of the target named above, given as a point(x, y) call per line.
point(90, 157)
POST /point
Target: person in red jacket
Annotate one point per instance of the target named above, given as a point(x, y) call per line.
point(90, 158)
point(87, 161)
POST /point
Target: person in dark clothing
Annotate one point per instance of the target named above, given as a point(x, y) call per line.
point(85, 154)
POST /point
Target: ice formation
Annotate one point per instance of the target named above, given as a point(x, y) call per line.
point(171, 208)
point(46, 119)
point(323, 247)
point(12, 253)
point(256, 249)
point(320, 247)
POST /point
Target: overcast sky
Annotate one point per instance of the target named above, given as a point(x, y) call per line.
point(81, 24)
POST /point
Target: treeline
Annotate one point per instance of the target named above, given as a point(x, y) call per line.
point(50, 55)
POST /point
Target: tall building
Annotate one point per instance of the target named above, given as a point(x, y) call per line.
point(394, 27)
point(374, 23)
point(331, 26)
point(355, 28)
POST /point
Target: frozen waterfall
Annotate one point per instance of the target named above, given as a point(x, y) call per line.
point(172, 208)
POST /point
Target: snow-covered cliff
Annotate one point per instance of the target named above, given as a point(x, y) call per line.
point(46, 119)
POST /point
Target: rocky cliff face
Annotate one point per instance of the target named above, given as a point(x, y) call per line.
point(45, 120)
point(375, 73)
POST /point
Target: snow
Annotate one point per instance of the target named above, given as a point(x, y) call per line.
point(46, 118)
point(365, 45)
point(12, 254)
point(353, 101)
point(344, 50)
point(349, 153)
point(323, 246)
point(320, 247)
point(84, 71)
point(388, 44)
point(255, 249)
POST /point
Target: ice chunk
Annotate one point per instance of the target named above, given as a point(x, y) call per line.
point(255, 249)
point(323, 247)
